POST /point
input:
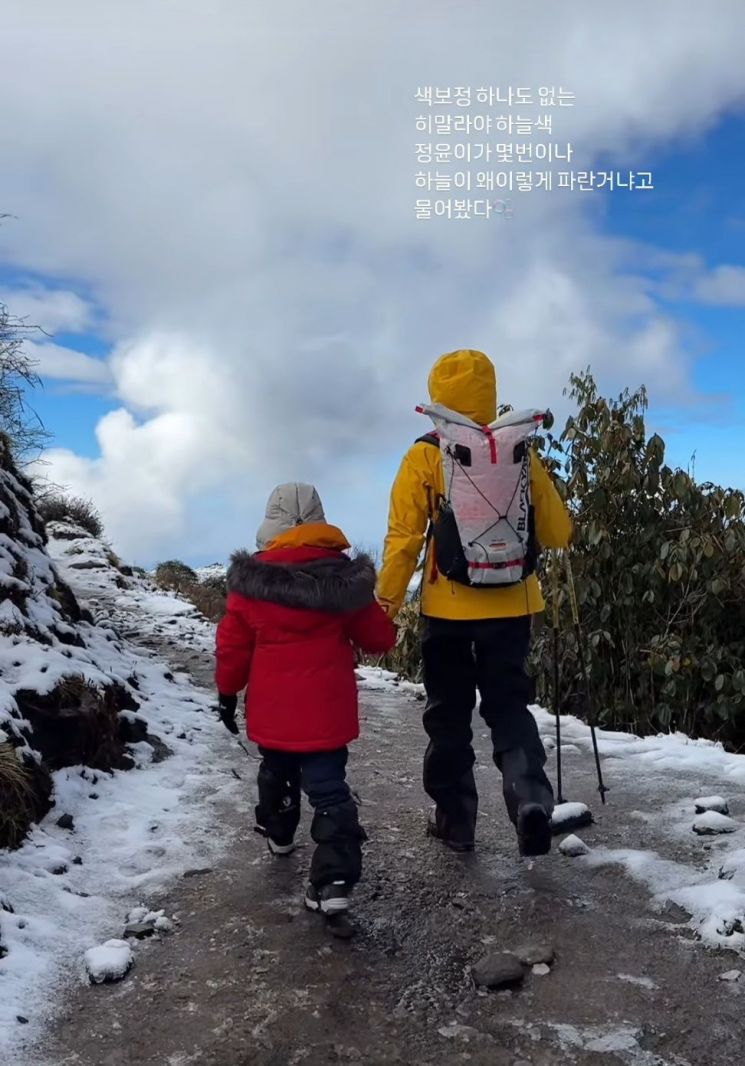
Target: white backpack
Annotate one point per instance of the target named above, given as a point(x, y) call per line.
point(483, 527)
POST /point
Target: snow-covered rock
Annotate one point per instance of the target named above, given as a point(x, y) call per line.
point(570, 816)
point(573, 846)
point(109, 962)
point(712, 823)
point(711, 803)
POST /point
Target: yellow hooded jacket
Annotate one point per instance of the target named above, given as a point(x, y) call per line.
point(464, 381)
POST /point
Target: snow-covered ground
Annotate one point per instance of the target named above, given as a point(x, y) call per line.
point(66, 891)
point(712, 887)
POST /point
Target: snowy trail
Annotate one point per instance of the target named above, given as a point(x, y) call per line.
point(248, 977)
point(128, 835)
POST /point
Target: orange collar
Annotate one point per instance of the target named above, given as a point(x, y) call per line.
point(312, 535)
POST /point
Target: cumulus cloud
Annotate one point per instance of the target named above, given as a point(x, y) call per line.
point(235, 188)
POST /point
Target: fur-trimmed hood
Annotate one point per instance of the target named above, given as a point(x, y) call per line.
point(335, 584)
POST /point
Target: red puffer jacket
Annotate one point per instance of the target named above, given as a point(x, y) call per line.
point(294, 614)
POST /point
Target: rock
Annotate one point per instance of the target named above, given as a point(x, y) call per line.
point(674, 913)
point(21, 1020)
point(573, 846)
point(77, 861)
point(66, 822)
point(59, 869)
point(731, 975)
point(535, 953)
point(456, 1031)
point(541, 969)
point(109, 962)
point(498, 971)
point(198, 871)
point(139, 930)
point(711, 803)
point(567, 816)
point(711, 823)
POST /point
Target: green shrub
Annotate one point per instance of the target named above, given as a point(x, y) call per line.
point(659, 565)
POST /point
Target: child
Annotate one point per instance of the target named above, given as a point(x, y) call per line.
point(295, 613)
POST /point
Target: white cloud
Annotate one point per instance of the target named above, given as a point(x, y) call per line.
point(723, 286)
point(50, 310)
point(66, 364)
point(236, 192)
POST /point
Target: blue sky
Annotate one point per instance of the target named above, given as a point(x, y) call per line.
point(698, 206)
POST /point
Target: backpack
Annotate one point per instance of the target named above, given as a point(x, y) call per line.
point(483, 527)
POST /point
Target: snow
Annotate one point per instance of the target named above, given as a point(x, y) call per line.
point(641, 982)
point(214, 570)
point(147, 825)
point(711, 803)
point(109, 962)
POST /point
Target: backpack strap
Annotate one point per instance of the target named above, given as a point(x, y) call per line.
point(434, 439)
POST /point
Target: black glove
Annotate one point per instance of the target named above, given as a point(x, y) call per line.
point(226, 709)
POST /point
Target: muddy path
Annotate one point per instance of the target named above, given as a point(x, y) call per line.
point(249, 978)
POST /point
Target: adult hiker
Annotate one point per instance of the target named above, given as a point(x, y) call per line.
point(296, 611)
point(477, 598)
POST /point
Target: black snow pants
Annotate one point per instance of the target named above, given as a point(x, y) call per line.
point(335, 828)
point(488, 657)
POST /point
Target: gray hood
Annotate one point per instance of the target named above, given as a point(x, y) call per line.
point(290, 505)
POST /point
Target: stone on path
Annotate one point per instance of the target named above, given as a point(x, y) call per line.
point(573, 846)
point(711, 823)
point(109, 962)
point(498, 971)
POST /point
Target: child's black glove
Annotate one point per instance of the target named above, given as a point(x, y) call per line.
point(226, 709)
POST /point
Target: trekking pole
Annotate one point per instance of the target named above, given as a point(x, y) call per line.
point(585, 676)
point(557, 712)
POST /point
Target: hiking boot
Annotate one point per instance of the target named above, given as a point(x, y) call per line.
point(329, 899)
point(276, 847)
point(457, 840)
point(533, 829)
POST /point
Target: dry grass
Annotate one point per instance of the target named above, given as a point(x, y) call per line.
point(406, 658)
point(57, 507)
point(175, 576)
point(17, 801)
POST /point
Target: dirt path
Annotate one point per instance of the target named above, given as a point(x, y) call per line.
point(250, 978)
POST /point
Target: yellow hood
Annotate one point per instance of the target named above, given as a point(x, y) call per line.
point(466, 382)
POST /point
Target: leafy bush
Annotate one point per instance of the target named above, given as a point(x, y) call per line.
point(175, 576)
point(659, 565)
point(59, 507)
